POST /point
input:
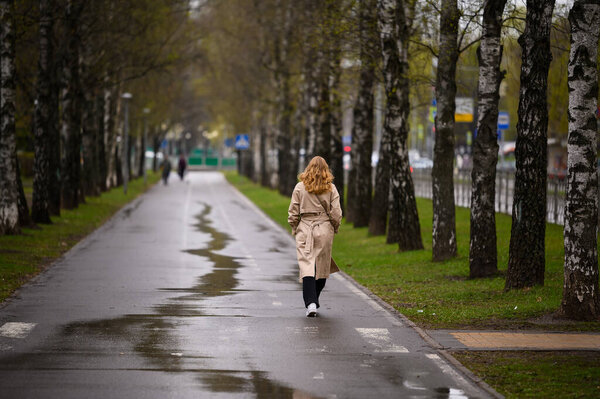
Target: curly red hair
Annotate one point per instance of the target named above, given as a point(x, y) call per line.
point(317, 177)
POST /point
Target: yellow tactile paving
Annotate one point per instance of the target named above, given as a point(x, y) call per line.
point(527, 340)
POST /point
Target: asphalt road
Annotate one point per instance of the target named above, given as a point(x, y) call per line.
point(190, 292)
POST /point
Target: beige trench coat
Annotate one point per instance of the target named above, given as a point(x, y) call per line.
point(314, 230)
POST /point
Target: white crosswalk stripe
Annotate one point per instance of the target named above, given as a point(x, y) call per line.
point(16, 330)
point(381, 339)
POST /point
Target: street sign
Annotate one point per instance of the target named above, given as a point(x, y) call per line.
point(242, 142)
point(229, 142)
point(464, 109)
point(164, 144)
point(503, 120)
point(346, 140)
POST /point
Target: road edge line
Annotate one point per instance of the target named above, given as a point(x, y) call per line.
point(477, 381)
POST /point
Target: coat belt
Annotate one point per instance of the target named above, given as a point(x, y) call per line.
point(310, 239)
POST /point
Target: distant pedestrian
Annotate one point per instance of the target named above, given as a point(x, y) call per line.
point(181, 166)
point(314, 215)
point(166, 169)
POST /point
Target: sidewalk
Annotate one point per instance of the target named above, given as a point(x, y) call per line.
point(515, 340)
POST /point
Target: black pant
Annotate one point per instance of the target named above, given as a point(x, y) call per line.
point(311, 289)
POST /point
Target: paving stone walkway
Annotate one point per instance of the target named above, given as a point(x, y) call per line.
point(515, 340)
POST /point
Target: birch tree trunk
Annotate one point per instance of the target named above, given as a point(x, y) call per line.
point(483, 257)
point(380, 205)
point(323, 137)
point(89, 140)
point(54, 184)
point(444, 224)
point(9, 194)
point(363, 116)
point(282, 77)
point(40, 204)
point(404, 227)
point(24, 216)
point(526, 260)
point(264, 176)
point(100, 143)
point(112, 99)
point(71, 129)
point(337, 149)
point(581, 299)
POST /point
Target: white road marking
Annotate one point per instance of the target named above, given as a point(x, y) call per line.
point(446, 369)
point(319, 376)
point(277, 303)
point(381, 339)
point(303, 330)
point(16, 330)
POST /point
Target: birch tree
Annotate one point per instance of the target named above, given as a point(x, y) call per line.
point(40, 205)
point(444, 225)
point(395, 25)
point(362, 133)
point(483, 257)
point(71, 110)
point(581, 299)
point(9, 212)
point(526, 262)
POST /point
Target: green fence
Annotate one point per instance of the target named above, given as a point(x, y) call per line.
point(198, 157)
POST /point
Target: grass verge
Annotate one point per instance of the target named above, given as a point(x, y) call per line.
point(537, 374)
point(439, 294)
point(25, 255)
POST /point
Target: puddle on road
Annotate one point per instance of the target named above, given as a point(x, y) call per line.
point(152, 335)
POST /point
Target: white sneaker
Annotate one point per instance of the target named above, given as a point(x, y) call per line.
point(311, 311)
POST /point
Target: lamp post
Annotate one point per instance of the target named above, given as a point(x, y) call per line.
point(125, 153)
point(146, 112)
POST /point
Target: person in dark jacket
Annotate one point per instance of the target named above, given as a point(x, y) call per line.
point(181, 166)
point(166, 169)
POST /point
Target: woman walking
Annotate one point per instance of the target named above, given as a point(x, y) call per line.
point(314, 215)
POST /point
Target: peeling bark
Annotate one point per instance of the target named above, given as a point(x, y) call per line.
point(9, 179)
point(444, 223)
point(483, 257)
point(580, 291)
point(526, 262)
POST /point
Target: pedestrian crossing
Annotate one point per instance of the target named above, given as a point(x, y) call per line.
point(380, 339)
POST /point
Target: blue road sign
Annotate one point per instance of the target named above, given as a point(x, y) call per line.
point(242, 142)
point(503, 120)
point(346, 140)
point(164, 144)
point(229, 142)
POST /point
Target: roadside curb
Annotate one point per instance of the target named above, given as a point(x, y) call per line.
point(477, 381)
point(430, 340)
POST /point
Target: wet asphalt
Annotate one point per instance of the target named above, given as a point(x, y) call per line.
point(191, 292)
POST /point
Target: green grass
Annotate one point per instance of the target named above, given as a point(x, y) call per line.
point(25, 255)
point(537, 374)
point(440, 295)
